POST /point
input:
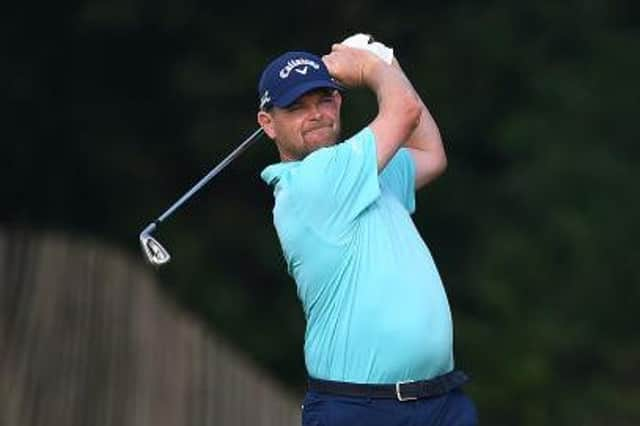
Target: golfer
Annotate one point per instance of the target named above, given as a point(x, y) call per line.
point(378, 341)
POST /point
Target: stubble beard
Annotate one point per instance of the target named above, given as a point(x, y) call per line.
point(292, 151)
point(330, 140)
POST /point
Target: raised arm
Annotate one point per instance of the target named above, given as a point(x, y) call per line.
point(399, 107)
point(426, 145)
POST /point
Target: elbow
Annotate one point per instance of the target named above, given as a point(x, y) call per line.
point(414, 113)
point(442, 164)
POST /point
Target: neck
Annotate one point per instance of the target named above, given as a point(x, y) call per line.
point(286, 156)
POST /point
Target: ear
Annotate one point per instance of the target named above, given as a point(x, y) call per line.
point(338, 97)
point(266, 122)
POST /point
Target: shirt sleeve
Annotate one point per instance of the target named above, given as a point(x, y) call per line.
point(399, 178)
point(337, 183)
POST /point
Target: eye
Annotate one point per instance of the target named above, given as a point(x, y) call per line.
point(327, 99)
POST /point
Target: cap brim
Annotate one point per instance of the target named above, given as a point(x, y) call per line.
point(297, 91)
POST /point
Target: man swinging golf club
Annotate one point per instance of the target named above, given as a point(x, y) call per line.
point(378, 343)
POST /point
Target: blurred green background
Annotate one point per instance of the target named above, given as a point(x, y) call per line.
point(115, 109)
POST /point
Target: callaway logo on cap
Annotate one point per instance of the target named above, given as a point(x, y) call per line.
point(290, 76)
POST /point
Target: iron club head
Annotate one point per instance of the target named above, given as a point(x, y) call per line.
point(153, 250)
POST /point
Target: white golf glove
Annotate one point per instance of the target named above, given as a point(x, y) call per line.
point(365, 41)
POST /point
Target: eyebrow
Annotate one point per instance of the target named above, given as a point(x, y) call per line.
point(325, 91)
point(322, 91)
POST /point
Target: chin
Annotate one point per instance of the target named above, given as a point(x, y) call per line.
point(330, 138)
point(322, 140)
point(313, 146)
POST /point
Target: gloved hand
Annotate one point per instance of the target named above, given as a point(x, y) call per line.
point(366, 42)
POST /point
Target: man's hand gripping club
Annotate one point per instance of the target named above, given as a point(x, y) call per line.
point(399, 107)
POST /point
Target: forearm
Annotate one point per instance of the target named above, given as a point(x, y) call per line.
point(426, 136)
point(399, 110)
point(425, 144)
point(395, 95)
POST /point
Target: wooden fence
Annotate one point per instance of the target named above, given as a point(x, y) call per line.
point(87, 339)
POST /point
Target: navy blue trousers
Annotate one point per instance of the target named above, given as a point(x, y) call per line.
point(451, 409)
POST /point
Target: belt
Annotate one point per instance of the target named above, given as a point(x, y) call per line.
point(402, 391)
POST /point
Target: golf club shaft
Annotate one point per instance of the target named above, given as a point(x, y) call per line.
point(236, 152)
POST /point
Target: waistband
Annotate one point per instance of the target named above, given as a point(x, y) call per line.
point(402, 391)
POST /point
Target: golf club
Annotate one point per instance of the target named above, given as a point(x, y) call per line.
point(153, 251)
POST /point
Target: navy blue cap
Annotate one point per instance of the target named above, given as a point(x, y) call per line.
point(290, 76)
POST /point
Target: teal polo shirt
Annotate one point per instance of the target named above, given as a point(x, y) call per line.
point(375, 306)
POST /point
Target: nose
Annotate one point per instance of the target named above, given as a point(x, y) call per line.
point(314, 112)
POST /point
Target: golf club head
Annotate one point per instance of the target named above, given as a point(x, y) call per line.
point(153, 250)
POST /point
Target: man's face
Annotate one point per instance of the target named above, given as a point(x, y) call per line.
point(310, 123)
